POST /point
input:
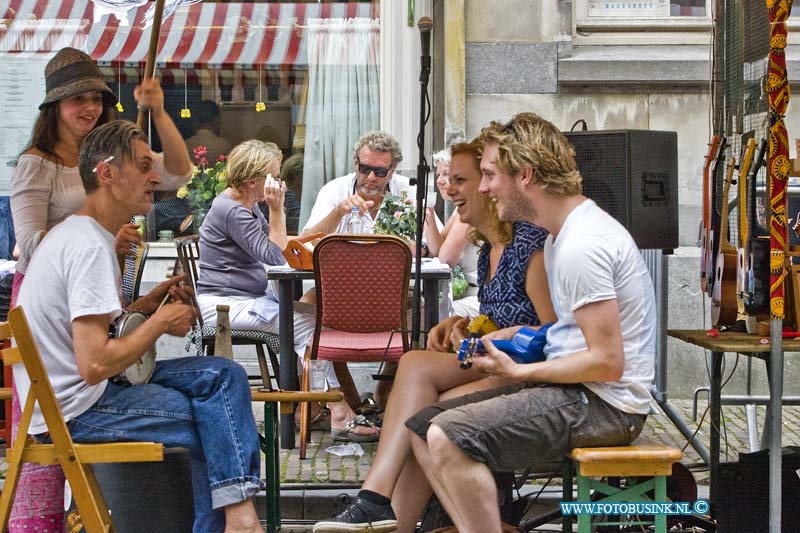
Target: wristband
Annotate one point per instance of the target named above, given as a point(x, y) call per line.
point(425, 250)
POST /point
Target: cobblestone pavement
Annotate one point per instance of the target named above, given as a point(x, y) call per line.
point(322, 467)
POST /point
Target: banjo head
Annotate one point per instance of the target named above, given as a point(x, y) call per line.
point(141, 370)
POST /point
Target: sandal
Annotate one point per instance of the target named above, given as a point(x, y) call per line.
point(347, 433)
point(368, 406)
point(320, 421)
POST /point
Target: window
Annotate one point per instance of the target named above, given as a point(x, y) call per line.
point(250, 58)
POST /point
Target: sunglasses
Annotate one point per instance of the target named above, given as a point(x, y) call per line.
point(381, 172)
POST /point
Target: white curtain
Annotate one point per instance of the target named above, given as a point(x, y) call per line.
point(343, 98)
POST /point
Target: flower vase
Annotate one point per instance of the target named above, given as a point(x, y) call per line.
point(199, 216)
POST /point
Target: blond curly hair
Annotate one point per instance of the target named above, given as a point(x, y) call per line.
point(528, 140)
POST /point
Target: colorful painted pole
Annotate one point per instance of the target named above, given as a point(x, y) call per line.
point(777, 86)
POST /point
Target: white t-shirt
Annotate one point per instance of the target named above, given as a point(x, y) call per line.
point(594, 259)
point(74, 272)
point(336, 191)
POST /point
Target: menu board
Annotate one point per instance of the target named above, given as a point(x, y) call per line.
point(628, 8)
point(21, 92)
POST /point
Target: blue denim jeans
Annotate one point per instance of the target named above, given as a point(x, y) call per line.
point(199, 403)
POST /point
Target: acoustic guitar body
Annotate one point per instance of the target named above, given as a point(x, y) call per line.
point(723, 297)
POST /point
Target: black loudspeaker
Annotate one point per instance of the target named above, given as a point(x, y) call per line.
point(633, 175)
point(743, 505)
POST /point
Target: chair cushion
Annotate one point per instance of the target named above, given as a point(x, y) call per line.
point(343, 346)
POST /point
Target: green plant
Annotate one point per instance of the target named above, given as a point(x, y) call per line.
point(207, 180)
point(460, 283)
point(396, 216)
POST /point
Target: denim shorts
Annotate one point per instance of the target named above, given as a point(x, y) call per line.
point(523, 425)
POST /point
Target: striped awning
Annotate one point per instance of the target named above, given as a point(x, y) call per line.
point(266, 35)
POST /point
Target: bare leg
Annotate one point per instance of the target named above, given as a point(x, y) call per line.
point(420, 378)
point(242, 518)
point(467, 485)
point(423, 457)
point(412, 490)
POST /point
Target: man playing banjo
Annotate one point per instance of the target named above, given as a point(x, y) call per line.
point(71, 295)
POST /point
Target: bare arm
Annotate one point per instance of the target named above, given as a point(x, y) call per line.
point(537, 288)
point(332, 219)
point(604, 359)
point(433, 238)
point(176, 156)
point(99, 357)
point(455, 240)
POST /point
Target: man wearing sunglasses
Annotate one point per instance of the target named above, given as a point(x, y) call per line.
point(375, 157)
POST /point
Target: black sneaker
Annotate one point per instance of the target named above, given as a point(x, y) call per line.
point(360, 515)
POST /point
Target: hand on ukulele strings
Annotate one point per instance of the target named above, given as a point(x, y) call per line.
point(126, 237)
point(495, 363)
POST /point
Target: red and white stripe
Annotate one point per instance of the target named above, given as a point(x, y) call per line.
point(200, 35)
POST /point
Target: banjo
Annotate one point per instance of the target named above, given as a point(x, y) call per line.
point(142, 369)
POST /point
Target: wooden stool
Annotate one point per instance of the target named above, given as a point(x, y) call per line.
point(640, 459)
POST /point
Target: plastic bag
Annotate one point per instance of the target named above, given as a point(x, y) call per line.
point(343, 450)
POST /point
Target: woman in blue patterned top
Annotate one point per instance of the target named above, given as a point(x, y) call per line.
point(512, 290)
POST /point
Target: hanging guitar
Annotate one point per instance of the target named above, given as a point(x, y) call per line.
point(723, 293)
point(756, 291)
point(741, 251)
point(715, 218)
point(711, 156)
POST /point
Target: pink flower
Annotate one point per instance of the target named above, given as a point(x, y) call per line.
point(222, 157)
point(202, 160)
point(200, 152)
point(398, 214)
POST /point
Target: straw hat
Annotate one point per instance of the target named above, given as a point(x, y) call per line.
point(72, 72)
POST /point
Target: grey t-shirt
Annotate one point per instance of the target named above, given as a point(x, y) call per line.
point(234, 246)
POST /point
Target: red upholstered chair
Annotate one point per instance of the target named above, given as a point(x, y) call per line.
point(362, 299)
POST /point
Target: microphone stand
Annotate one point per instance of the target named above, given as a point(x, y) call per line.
point(422, 188)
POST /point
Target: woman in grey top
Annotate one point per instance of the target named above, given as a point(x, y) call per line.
point(236, 241)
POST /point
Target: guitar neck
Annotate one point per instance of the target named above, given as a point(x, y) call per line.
point(724, 243)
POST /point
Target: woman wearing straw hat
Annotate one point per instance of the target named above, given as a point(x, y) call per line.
point(46, 188)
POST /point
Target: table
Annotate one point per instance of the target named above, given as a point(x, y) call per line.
point(432, 274)
point(748, 345)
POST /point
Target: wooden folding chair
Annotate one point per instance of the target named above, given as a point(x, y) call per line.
point(75, 459)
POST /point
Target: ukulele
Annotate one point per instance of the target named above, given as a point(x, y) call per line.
point(723, 293)
point(741, 256)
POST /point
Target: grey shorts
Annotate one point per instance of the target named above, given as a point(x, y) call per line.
point(524, 425)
